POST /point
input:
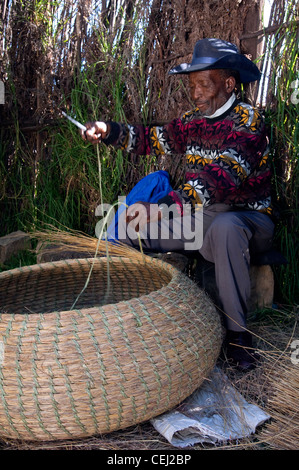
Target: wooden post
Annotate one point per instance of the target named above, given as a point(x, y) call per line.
point(253, 46)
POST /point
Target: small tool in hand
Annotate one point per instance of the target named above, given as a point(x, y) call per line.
point(83, 128)
point(78, 124)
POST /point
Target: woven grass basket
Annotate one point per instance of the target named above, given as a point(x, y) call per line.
point(89, 346)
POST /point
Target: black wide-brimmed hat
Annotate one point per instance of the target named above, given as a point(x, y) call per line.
point(213, 53)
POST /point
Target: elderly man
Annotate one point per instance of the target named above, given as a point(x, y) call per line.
point(227, 180)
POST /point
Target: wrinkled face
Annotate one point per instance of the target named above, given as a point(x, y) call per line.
point(210, 89)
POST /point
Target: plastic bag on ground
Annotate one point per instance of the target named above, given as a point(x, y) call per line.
point(215, 413)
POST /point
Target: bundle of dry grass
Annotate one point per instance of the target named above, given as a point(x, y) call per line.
point(283, 430)
point(79, 243)
point(274, 384)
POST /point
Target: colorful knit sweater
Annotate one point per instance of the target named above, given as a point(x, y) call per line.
point(226, 156)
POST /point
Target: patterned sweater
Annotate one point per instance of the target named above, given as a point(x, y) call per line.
point(226, 156)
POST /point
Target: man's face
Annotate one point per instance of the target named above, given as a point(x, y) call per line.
point(210, 89)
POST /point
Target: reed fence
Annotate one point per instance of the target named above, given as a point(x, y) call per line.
point(110, 60)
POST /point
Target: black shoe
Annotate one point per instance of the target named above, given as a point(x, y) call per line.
point(239, 350)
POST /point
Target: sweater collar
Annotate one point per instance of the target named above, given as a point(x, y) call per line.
point(223, 108)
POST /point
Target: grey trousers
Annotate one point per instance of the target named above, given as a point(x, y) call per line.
point(228, 238)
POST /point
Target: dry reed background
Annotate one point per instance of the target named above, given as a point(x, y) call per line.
point(110, 60)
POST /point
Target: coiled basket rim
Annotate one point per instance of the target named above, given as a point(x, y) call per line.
point(75, 373)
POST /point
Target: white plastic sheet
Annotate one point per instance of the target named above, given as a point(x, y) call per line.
point(215, 413)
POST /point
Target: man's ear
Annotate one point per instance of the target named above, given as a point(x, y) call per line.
point(230, 84)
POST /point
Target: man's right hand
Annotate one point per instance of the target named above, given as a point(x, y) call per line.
point(95, 131)
point(141, 213)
